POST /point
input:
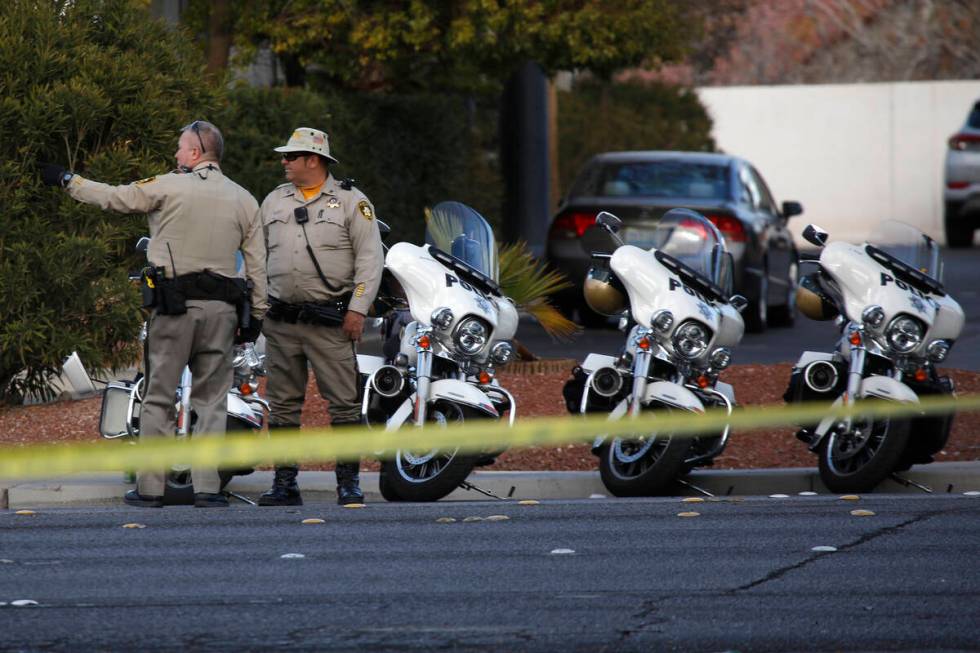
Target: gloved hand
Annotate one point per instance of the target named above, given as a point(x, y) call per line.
point(250, 334)
point(52, 174)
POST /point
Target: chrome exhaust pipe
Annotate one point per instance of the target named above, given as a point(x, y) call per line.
point(821, 376)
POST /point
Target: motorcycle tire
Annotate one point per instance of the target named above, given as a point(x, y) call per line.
point(652, 472)
point(847, 465)
point(407, 478)
point(179, 490)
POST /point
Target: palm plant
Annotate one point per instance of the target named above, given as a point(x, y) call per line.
point(529, 282)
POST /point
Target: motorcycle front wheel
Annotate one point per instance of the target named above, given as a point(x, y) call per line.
point(643, 466)
point(179, 488)
point(428, 475)
point(861, 458)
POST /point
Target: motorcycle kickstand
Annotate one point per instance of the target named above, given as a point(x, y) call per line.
point(469, 486)
point(695, 487)
point(229, 494)
point(908, 483)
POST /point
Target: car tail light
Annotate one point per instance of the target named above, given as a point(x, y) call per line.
point(730, 227)
point(957, 185)
point(571, 224)
point(964, 142)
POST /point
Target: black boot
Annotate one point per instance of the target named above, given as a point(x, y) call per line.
point(285, 490)
point(348, 483)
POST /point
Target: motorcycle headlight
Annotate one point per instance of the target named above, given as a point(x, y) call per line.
point(904, 334)
point(938, 350)
point(873, 316)
point(471, 335)
point(721, 358)
point(662, 320)
point(502, 353)
point(691, 339)
point(442, 318)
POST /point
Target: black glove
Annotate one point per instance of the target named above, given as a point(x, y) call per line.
point(249, 334)
point(52, 174)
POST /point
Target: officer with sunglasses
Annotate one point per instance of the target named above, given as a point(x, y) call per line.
point(198, 219)
point(324, 263)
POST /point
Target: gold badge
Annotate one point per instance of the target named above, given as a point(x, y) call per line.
point(365, 208)
point(148, 180)
point(333, 203)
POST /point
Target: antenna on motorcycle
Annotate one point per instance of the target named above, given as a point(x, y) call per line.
point(815, 235)
point(611, 225)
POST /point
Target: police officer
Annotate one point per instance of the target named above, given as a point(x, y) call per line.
point(198, 220)
point(324, 263)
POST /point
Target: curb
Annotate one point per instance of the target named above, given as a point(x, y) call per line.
point(108, 488)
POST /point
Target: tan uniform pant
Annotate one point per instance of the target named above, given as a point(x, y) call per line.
point(291, 349)
point(201, 338)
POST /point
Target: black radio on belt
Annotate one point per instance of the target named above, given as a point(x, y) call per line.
point(302, 215)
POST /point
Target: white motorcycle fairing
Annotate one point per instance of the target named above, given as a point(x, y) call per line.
point(652, 287)
point(864, 282)
point(453, 390)
point(429, 285)
point(876, 387)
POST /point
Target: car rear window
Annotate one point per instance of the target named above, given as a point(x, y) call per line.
point(659, 179)
point(974, 118)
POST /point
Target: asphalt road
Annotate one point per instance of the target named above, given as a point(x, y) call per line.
point(962, 270)
point(741, 576)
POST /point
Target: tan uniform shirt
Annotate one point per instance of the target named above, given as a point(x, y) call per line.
point(203, 216)
point(344, 236)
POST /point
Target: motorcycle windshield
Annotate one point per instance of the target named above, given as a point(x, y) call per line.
point(690, 238)
point(910, 246)
point(456, 229)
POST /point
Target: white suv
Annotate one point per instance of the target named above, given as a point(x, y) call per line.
point(961, 191)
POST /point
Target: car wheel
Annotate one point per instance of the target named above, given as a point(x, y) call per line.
point(785, 315)
point(756, 314)
point(959, 229)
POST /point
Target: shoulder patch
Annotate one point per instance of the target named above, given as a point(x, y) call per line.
point(148, 180)
point(364, 207)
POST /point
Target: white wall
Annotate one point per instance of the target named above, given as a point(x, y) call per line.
point(853, 154)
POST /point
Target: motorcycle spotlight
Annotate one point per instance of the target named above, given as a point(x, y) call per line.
point(873, 316)
point(606, 382)
point(820, 376)
point(502, 353)
point(662, 320)
point(721, 358)
point(442, 318)
point(938, 350)
point(388, 381)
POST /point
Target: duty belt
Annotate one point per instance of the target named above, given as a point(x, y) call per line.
point(329, 313)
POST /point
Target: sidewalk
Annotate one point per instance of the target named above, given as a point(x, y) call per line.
point(108, 488)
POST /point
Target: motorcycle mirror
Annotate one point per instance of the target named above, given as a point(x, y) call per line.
point(608, 221)
point(815, 235)
point(791, 208)
point(143, 244)
point(739, 302)
point(596, 239)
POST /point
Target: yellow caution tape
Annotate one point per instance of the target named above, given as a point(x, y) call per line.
point(473, 436)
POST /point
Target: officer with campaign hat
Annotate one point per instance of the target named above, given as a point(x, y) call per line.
point(324, 266)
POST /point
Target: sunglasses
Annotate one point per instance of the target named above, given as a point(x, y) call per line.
point(292, 156)
point(197, 130)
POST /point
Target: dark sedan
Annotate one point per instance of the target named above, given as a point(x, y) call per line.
point(639, 187)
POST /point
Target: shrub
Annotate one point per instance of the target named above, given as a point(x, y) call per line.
point(101, 88)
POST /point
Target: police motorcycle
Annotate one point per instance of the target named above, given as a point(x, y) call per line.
point(896, 323)
point(674, 301)
point(448, 334)
point(121, 406)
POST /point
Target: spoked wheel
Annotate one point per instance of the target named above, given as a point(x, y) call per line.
point(644, 465)
point(414, 475)
point(179, 488)
point(864, 456)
